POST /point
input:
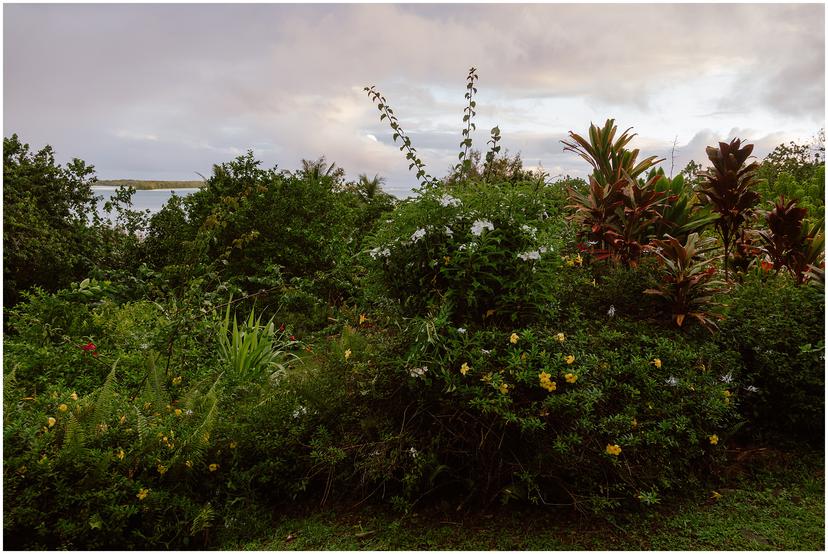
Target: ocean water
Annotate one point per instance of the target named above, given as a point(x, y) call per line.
point(152, 200)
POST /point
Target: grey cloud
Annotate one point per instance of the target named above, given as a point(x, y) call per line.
point(286, 80)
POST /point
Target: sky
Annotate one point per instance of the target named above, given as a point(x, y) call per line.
point(164, 91)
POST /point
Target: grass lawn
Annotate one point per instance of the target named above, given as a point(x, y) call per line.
point(769, 501)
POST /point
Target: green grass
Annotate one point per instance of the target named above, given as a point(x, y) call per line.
point(150, 185)
point(780, 507)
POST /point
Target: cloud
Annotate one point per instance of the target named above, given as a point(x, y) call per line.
point(163, 90)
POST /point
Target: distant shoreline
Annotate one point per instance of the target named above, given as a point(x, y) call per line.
point(149, 185)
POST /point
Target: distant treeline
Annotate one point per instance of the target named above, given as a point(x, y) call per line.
point(150, 185)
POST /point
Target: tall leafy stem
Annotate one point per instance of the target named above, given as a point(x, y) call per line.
point(386, 112)
point(469, 112)
point(493, 151)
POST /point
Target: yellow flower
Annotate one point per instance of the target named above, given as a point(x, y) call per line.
point(213, 467)
point(727, 394)
point(579, 260)
point(162, 469)
point(63, 407)
point(362, 319)
point(560, 337)
point(74, 396)
point(51, 421)
point(347, 353)
point(714, 439)
point(613, 449)
point(656, 362)
point(487, 378)
point(570, 263)
point(569, 359)
point(447, 259)
point(570, 377)
point(120, 455)
point(178, 411)
point(123, 419)
point(715, 495)
point(464, 368)
point(514, 338)
point(233, 445)
point(142, 494)
point(546, 382)
point(176, 380)
point(634, 423)
point(504, 388)
point(189, 464)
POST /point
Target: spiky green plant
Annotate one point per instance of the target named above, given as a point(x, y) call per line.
point(250, 351)
point(681, 212)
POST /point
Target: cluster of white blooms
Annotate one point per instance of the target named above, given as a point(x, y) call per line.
point(529, 229)
point(413, 452)
point(448, 200)
point(418, 234)
point(672, 381)
point(379, 252)
point(300, 411)
point(418, 371)
point(611, 311)
point(480, 225)
point(461, 330)
point(533, 255)
point(727, 378)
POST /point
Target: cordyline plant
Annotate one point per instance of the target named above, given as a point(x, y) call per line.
point(627, 234)
point(604, 206)
point(727, 188)
point(784, 231)
point(687, 283)
point(810, 251)
point(681, 213)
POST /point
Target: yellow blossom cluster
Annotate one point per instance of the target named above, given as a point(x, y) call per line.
point(613, 449)
point(546, 381)
point(570, 378)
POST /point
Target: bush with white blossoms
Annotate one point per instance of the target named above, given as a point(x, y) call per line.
point(483, 251)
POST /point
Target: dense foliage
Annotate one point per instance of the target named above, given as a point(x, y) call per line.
point(292, 336)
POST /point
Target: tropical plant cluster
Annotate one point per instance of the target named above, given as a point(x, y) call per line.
point(283, 338)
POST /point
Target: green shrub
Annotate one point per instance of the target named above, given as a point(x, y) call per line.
point(778, 330)
point(482, 250)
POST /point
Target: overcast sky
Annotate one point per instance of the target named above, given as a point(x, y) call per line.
point(165, 91)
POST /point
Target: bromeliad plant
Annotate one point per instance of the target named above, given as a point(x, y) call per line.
point(687, 283)
point(728, 189)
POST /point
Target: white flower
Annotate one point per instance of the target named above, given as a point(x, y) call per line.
point(379, 252)
point(480, 225)
point(448, 200)
point(526, 256)
point(592, 242)
point(727, 378)
point(413, 452)
point(300, 411)
point(462, 247)
point(449, 232)
point(672, 381)
point(461, 330)
point(611, 311)
point(545, 249)
point(529, 229)
point(418, 234)
point(189, 412)
point(418, 371)
point(486, 352)
point(751, 388)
